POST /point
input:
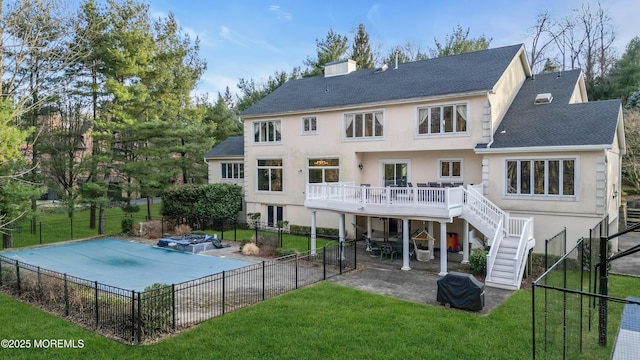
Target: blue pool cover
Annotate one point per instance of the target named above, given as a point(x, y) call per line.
point(125, 264)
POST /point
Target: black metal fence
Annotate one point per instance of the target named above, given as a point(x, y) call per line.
point(572, 317)
point(554, 248)
point(138, 317)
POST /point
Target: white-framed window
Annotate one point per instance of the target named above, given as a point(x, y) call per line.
point(450, 169)
point(360, 125)
point(442, 119)
point(309, 124)
point(269, 175)
point(541, 177)
point(231, 170)
point(267, 131)
point(323, 170)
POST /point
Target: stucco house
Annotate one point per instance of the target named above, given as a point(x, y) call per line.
point(465, 148)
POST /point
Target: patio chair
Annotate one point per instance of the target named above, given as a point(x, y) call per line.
point(386, 249)
point(372, 246)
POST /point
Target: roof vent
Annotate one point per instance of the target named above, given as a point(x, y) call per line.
point(382, 68)
point(543, 98)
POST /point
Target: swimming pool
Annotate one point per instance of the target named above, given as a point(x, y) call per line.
point(125, 264)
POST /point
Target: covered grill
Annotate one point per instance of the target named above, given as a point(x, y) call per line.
point(461, 291)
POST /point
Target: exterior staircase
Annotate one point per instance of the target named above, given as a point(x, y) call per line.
point(511, 239)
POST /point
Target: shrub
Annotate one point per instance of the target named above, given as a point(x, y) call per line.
point(157, 309)
point(250, 249)
point(126, 224)
point(478, 261)
point(182, 229)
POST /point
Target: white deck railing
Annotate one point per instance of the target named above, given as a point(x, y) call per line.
point(448, 198)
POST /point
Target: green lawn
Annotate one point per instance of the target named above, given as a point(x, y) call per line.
point(56, 227)
point(325, 321)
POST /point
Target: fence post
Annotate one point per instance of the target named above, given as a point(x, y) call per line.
point(40, 232)
point(71, 226)
point(222, 230)
point(533, 319)
point(1, 272)
point(604, 289)
point(263, 280)
point(133, 315)
point(96, 303)
point(66, 295)
point(173, 305)
point(139, 319)
point(223, 280)
point(296, 271)
point(324, 263)
point(235, 230)
point(18, 276)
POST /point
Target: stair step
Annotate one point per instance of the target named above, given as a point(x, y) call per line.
point(505, 262)
point(503, 268)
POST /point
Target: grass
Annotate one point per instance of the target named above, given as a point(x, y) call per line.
point(325, 321)
point(57, 227)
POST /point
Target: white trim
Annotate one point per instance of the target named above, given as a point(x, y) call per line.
point(364, 138)
point(383, 162)
point(450, 178)
point(256, 177)
point(221, 163)
point(253, 135)
point(430, 135)
point(545, 196)
point(311, 132)
point(541, 149)
point(311, 157)
point(367, 105)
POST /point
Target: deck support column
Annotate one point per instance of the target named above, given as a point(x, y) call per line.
point(443, 248)
point(432, 254)
point(369, 227)
point(465, 242)
point(313, 233)
point(405, 245)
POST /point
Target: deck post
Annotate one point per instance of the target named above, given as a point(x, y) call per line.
point(443, 248)
point(432, 254)
point(405, 245)
point(465, 242)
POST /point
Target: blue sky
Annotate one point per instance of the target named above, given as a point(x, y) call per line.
point(253, 39)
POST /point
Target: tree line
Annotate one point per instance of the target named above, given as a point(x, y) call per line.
point(97, 101)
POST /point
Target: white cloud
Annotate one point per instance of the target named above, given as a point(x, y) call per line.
point(279, 13)
point(246, 41)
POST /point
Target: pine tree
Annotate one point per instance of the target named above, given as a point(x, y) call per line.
point(332, 48)
point(361, 50)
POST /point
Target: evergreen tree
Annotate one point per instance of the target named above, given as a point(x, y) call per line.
point(361, 50)
point(332, 48)
point(459, 42)
point(549, 67)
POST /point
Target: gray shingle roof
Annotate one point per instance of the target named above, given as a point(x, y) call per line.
point(230, 147)
point(557, 123)
point(469, 72)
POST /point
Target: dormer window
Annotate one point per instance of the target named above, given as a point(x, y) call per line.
point(543, 98)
